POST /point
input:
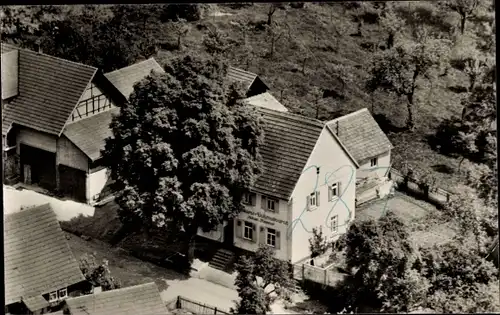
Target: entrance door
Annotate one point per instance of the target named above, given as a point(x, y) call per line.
point(229, 233)
point(38, 166)
point(72, 183)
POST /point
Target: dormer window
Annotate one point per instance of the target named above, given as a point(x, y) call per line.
point(373, 162)
point(269, 204)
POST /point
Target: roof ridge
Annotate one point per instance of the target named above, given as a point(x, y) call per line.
point(239, 69)
point(350, 115)
point(54, 57)
point(134, 64)
point(301, 118)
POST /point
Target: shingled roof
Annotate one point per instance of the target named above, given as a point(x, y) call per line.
point(49, 90)
point(361, 135)
point(141, 299)
point(288, 142)
point(125, 78)
point(266, 100)
point(38, 259)
point(240, 75)
point(89, 134)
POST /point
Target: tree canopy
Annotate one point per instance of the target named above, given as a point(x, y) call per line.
point(262, 278)
point(185, 149)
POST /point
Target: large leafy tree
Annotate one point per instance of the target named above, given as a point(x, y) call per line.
point(465, 8)
point(184, 150)
point(461, 281)
point(381, 256)
point(401, 69)
point(262, 278)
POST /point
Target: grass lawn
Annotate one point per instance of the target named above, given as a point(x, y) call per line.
point(129, 270)
point(427, 228)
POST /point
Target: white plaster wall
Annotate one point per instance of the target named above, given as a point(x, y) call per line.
point(36, 139)
point(335, 166)
point(384, 162)
point(266, 219)
point(96, 182)
point(70, 155)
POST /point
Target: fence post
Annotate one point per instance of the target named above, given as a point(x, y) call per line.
point(447, 197)
point(178, 306)
point(325, 277)
point(303, 272)
point(215, 310)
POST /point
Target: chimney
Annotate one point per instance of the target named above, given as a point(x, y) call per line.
point(38, 44)
point(10, 73)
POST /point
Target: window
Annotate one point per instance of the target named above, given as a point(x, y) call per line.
point(271, 204)
point(333, 191)
point(271, 237)
point(248, 231)
point(373, 162)
point(53, 296)
point(313, 200)
point(247, 199)
point(334, 223)
point(63, 293)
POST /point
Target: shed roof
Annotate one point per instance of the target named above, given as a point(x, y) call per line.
point(361, 135)
point(125, 78)
point(141, 299)
point(240, 75)
point(49, 90)
point(89, 134)
point(266, 100)
point(38, 260)
point(288, 142)
point(35, 303)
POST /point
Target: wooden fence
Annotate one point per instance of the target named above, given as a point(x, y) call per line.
point(192, 306)
point(436, 194)
point(328, 276)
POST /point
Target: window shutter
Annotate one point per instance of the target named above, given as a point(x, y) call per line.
point(330, 193)
point(308, 200)
point(339, 188)
point(278, 240)
point(263, 204)
point(239, 229)
point(254, 236)
point(317, 198)
point(277, 206)
point(253, 199)
point(262, 236)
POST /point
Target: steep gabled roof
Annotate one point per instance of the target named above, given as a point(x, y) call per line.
point(125, 78)
point(361, 135)
point(141, 299)
point(89, 134)
point(38, 260)
point(49, 90)
point(240, 75)
point(289, 140)
point(266, 100)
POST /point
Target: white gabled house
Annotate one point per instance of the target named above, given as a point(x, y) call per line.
point(308, 182)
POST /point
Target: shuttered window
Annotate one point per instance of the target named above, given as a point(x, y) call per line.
point(334, 191)
point(313, 200)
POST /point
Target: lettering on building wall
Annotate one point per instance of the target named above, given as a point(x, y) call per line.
point(257, 216)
